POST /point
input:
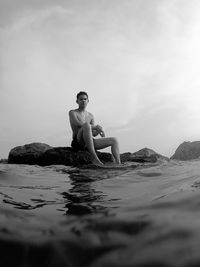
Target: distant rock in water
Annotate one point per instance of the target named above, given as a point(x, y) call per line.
point(187, 151)
point(3, 160)
point(44, 155)
point(143, 155)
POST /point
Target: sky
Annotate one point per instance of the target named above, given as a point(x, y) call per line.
point(139, 61)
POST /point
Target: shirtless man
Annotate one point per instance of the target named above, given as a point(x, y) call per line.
point(84, 129)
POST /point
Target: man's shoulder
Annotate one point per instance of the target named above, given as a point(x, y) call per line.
point(73, 111)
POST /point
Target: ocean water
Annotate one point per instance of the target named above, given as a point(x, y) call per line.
point(122, 217)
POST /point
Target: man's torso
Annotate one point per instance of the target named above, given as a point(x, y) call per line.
point(82, 117)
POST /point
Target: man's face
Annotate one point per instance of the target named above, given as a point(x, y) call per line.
point(82, 101)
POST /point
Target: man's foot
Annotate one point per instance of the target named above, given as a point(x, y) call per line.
point(97, 162)
point(115, 165)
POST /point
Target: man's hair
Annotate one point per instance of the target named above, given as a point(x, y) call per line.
point(81, 93)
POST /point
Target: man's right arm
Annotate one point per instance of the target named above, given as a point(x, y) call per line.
point(73, 119)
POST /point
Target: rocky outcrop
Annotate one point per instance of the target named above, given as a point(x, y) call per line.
point(44, 155)
point(143, 155)
point(187, 151)
point(27, 154)
point(67, 156)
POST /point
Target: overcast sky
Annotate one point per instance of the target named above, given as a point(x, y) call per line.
point(139, 61)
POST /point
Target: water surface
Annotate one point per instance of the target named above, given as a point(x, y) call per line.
point(115, 217)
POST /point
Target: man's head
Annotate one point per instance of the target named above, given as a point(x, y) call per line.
point(81, 93)
point(82, 99)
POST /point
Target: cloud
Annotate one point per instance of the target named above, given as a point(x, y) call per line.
point(138, 60)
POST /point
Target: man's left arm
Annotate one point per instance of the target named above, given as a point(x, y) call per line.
point(96, 129)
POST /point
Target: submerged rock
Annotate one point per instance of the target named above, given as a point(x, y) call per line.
point(187, 151)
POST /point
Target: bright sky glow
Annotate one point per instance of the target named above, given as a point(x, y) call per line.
point(139, 61)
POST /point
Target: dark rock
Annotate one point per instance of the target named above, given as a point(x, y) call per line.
point(67, 156)
point(3, 160)
point(125, 157)
point(187, 151)
point(27, 154)
point(58, 155)
point(44, 155)
point(143, 155)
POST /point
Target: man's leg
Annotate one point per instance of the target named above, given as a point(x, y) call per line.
point(85, 135)
point(106, 142)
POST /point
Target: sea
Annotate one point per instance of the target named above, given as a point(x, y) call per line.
point(137, 215)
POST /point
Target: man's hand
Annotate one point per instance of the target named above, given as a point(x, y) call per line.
point(102, 134)
point(100, 130)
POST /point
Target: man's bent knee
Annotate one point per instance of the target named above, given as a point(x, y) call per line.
point(86, 126)
point(114, 141)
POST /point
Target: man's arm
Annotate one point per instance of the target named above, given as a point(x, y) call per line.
point(73, 119)
point(96, 129)
point(101, 132)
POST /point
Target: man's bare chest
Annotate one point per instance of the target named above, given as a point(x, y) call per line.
point(84, 117)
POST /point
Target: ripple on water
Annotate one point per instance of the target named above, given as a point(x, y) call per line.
point(149, 174)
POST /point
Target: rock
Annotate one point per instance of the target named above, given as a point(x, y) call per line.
point(125, 156)
point(27, 154)
point(143, 155)
point(3, 160)
point(187, 151)
point(44, 155)
point(67, 156)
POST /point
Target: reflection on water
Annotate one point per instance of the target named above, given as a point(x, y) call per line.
point(33, 188)
point(156, 221)
point(104, 190)
point(58, 189)
point(64, 190)
point(61, 190)
point(83, 198)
